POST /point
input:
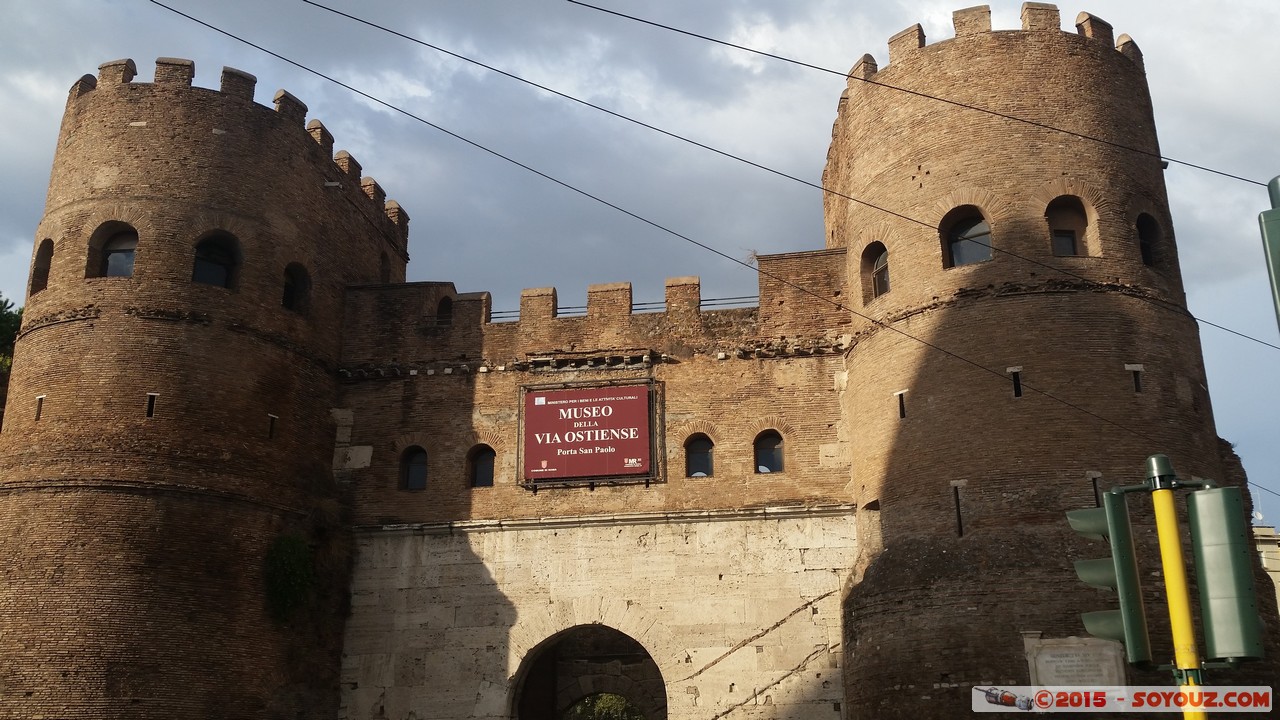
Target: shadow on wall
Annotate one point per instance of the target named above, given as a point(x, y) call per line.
point(429, 630)
point(966, 541)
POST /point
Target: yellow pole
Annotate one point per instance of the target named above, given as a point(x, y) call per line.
point(1185, 657)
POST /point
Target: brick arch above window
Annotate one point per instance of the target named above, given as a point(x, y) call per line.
point(681, 432)
point(1088, 194)
point(993, 207)
point(770, 422)
point(487, 436)
point(403, 442)
point(111, 250)
point(1060, 193)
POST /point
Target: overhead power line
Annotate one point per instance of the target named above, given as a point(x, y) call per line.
point(1172, 307)
point(656, 225)
point(895, 88)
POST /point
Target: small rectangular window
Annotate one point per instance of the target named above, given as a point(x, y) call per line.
point(39, 406)
point(271, 426)
point(1137, 376)
point(1016, 374)
point(1095, 477)
point(151, 404)
point(1064, 243)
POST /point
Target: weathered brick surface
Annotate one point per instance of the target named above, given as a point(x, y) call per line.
point(963, 545)
point(161, 524)
point(449, 387)
point(136, 545)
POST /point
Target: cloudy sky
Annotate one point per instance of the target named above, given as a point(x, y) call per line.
point(487, 225)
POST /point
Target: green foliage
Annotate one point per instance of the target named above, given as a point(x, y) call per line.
point(605, 706)
point(290, 576)
point(10, 319)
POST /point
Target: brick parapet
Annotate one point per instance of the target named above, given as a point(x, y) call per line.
point(802, 311)
point(882, 128)
point(267, 128)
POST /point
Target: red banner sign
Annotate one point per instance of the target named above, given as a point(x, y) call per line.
point(586, 432)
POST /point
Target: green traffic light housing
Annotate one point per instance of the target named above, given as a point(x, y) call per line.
point(1269, 221)
point(1222, 545)
point(1128, 623)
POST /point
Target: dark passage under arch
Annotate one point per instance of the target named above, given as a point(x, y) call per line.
point(583, 662)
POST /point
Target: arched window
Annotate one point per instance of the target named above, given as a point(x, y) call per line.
point(413, 469)
point(111, 250)
point(966, 239)
point(1068, 223)
point(297, 289)
point(480, 466)
point(875, 271)
point(117, 255)
point(444, 311)
point(768, 452)
point(698, 458)
point(1148, 238)
point(40, 268)
point(217, 261)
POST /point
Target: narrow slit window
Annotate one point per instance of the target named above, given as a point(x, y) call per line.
point(902, 403)
point(1137, 376)
point(271, 426)
point(151, 404)
point(955, 494)
point(1015, 374)
point(39, 406)
point(1095, 477)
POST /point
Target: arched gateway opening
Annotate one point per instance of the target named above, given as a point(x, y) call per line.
point(569, 673)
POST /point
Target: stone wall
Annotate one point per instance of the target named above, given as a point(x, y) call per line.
point(740, 610)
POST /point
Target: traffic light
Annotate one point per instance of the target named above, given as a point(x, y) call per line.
point(1221, 543)
point(1269, 220)
point(1128, 624)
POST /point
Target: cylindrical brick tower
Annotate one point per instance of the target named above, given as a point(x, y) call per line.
point(168, 420)
point(1030, 346)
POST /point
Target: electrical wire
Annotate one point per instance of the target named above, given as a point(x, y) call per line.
point(1165, 305)
point(956, 103)
point(652, 223)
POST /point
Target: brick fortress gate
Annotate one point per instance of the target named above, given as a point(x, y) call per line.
point(394, 507)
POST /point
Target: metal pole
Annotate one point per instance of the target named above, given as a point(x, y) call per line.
point(1186, 659)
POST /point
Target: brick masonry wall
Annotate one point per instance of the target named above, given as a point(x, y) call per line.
point(963, 541)
point(164, 522)
point(449, 388)
point(152, 532)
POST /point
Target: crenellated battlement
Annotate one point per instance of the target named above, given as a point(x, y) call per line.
point(968, 22)
point(457, 329)
point(239, 87)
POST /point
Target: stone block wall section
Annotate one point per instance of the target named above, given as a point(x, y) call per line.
point(739, 610)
